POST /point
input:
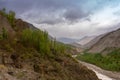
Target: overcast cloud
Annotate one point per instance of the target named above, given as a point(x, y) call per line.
point(68, 18)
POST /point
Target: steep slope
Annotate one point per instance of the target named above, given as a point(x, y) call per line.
point(85, 40)
point(31, 55)
point(92, 42)
point(107, 43)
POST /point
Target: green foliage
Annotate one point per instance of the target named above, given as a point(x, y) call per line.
point(3, 12)
point(37, 39)
point(4, 34)
point(10, 16)
point(108, 62)
point(40, 41)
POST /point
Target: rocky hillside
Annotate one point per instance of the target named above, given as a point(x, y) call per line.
point(92, 42)
point(85, 40)
point(29, 54)
point(107, 43)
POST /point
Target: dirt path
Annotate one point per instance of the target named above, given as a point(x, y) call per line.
point(103, 74)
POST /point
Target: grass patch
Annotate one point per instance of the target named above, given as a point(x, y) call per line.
point(109, 62)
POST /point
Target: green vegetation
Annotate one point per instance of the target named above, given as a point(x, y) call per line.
point(36, 51)
point(10, 16)
point(110, 61)
point(4, 34)
point(37, 39)
point(40, 41)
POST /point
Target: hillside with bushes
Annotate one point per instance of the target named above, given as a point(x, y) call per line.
point(27, 53)
point(110, 62)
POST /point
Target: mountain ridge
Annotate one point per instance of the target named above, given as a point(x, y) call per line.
point(106, 43)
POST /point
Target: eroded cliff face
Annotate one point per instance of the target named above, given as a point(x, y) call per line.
point(107, 43)
point(18, 62)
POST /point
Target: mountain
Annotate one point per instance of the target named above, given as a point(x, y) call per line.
point(92, 42)
point(105, 53)
point(85, 40)
point(75, 45)
point(66, 40)
point(76, 48)
point(77, 42)
point(107, 43)
point(27, 53)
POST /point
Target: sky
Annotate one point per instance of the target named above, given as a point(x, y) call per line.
point(68, 18)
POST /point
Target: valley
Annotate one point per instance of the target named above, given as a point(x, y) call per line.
point(59, 40)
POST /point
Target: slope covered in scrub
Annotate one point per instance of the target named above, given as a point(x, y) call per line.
point(29, 54)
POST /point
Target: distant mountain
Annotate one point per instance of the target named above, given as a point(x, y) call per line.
point(78, 48)
point(85, 40)
point(67, 40)
point(92, 41)
point(76, 45)
point(81, 41)
point(107, 43)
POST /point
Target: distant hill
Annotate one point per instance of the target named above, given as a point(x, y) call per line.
point(77, 42)
point(67, 40)
point(92, 42)
point(107, 43)
point(85, 40)
point(76, 45)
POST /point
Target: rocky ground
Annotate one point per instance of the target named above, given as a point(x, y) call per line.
point(10, 73)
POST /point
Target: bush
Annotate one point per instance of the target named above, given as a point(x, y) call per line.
point(108, 62)
point(4, 34)
point(41, 42)
point(9, 15)
point(37, 39)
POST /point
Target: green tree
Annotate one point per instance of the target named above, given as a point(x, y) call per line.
point(4, 33)
point(11, 17)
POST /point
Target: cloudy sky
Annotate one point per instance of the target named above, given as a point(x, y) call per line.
point(68, 18)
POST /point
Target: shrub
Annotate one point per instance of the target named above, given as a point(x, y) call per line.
point(41, 42)
point(37, 39)
point(109, 62)
point(4, 34)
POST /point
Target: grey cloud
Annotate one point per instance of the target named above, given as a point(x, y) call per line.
point(110, 28)
point(43, 17)
point(50, 22)
point(20, 5)
point(74, 14)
